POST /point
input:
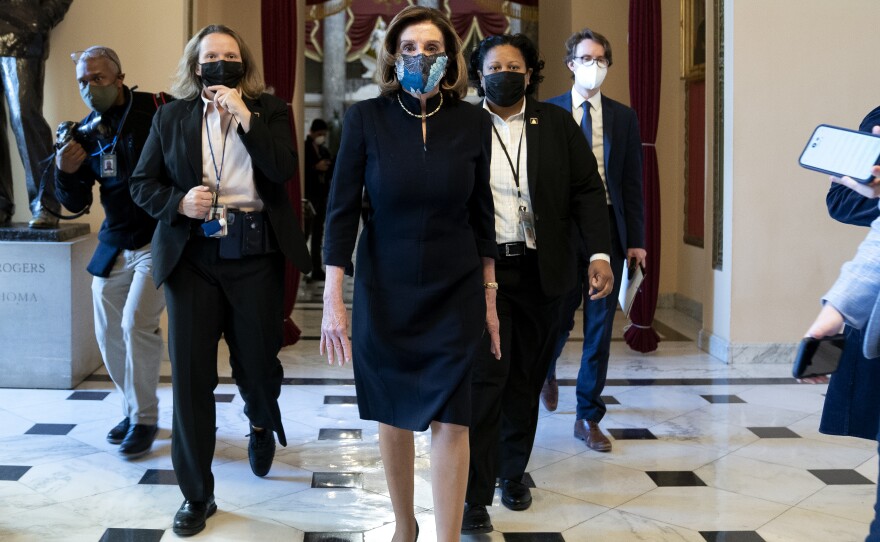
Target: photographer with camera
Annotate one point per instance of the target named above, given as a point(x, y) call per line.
point(105, 148)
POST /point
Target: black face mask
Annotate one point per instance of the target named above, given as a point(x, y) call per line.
point(505, 88)
point(222, 72)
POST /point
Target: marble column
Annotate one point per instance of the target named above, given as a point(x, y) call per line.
point(334, 65)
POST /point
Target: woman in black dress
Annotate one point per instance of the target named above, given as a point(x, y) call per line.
point(425, 282)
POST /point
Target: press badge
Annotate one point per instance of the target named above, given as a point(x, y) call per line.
point(108, 165)
point(215, 223)
point(527, 221)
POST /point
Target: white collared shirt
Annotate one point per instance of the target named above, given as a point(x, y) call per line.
point(237, 188)
point(504, 193)
point(577, 112)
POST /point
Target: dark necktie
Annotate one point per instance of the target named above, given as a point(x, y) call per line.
point(587, 124)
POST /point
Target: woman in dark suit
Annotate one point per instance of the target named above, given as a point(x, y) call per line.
point(212, 173)
point(544, 179)
point(425, 281)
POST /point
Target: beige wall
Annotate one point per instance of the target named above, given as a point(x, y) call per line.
point(793, 64)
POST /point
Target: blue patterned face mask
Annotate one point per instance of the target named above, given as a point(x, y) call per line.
point(420, 74)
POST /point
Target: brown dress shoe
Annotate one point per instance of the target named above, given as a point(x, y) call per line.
point(550, 394)
point(592, 436)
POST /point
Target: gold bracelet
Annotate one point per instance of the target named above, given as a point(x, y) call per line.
point(490, 285)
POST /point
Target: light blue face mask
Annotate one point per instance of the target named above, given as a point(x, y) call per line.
point(420, 74)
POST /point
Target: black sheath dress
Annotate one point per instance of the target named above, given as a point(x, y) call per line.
point(419, 305)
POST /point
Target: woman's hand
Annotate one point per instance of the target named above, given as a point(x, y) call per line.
point(492, 324)
point(828, 322)
point(230, 100)
point(869, 190)
point(334, 324)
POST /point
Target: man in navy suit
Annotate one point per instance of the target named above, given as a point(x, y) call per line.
point(612, 130)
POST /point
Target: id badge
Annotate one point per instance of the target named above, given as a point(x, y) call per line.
point(527, 221)
point(108, 165)
point(216, 223)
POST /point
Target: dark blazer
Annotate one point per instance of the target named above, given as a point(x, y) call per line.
point(566, 191)
point(171, 164)
point(623, 167)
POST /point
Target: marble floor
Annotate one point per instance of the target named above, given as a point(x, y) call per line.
point(702, 451)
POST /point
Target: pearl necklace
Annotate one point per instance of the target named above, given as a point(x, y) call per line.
point(423, 116)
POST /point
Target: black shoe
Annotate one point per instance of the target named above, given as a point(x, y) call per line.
point(138, 441)
point(117, 434)
point(192, 515)
point(515, 495)
point(261, 451)
point(476, 520)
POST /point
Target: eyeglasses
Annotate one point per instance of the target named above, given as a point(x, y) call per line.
point(94, 52)
point(588, 61)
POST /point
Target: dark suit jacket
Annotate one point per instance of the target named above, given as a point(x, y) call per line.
point(623, 167)
point(171, 164)
point(566, 191)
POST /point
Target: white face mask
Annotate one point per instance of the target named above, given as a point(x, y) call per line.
point(590, 77)
point(320, 140)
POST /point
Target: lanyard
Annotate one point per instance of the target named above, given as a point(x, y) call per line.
point(218, 171)
point(513, 170)
point(112, 144)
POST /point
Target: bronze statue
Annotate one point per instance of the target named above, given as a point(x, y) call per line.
point(24, 46)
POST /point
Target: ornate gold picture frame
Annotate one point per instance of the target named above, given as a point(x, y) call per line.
point(693, 39)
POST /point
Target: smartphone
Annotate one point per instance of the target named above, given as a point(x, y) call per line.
point(839, 151)
point(816, 357)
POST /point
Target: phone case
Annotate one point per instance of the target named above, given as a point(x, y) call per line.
point(859, 154)
point(805, 362)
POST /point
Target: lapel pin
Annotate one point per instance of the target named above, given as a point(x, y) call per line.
point(533, 120)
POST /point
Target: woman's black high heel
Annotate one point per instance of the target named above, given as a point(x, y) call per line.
point(417, 532)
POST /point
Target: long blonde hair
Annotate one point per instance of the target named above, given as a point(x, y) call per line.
point(187, 85)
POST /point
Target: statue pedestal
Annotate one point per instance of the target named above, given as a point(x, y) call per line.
point(47, 330)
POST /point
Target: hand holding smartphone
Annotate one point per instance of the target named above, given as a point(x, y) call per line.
point(816, 357)
point(842, 152)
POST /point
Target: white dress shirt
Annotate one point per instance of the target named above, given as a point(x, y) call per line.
point(237, 188)
point(577, 112)
point(504, 193)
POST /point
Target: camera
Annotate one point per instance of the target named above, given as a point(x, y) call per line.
point(86, 134)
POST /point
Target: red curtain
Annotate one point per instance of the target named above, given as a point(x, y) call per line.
point(279, 66)
point(644, 89)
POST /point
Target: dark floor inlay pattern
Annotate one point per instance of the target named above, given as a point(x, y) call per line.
point(11, 473)
point(533, 537)
point(632, 434)
point(340, 399)
point(224, 397)
point(675, 478)
point(333, 537)
point(732, 536)
point(339, 434)
point(159, 477)
point(50, 429)
point(353, 480)
point(610, 400)
point(720, 399)
point(132, 535)
point(840, 477)
point(88, 395)
point(773, 432)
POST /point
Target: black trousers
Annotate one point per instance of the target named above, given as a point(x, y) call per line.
point(242, 300)
point(504, 393)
